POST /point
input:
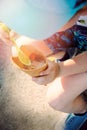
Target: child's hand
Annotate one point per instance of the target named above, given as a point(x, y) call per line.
point(48, 75)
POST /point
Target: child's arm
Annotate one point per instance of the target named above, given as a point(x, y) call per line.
point(76, 65)
point(66, 68)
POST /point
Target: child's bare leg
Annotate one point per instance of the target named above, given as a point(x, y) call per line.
point(64, 93)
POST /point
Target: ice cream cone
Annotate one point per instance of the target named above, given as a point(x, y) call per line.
point(31, 70)
point(29, 59)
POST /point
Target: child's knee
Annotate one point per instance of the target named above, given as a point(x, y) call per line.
point(54, 95)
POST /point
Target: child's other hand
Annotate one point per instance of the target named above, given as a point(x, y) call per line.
point(47, 75)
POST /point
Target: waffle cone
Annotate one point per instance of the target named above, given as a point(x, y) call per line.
point(30, 69)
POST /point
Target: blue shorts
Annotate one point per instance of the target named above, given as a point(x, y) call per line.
point(76, 122)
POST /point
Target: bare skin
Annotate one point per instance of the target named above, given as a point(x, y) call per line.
point(66, 80)
point(64, 93)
